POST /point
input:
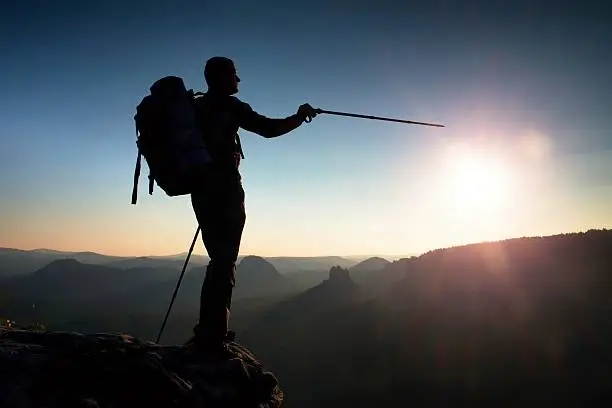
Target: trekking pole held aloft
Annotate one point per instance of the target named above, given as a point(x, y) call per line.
point(178, 283)
point(354, 115)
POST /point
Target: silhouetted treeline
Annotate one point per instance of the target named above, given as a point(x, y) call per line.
point(522, 322)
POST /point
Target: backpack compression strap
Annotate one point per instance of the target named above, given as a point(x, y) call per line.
point(136, 173)
point(151, 183)
point(136, 176)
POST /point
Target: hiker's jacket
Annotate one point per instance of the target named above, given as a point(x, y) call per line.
point(220, 116)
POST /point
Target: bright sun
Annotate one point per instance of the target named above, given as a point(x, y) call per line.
point(477, 182)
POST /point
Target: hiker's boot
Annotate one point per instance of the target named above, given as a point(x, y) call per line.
point(230, 336)
point(211, 334)
point(200, 340)
point(211, 346)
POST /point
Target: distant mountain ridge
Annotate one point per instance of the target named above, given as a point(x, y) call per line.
point(371, 266)
point(77, 286)
point(71, 280)
point(18, 261)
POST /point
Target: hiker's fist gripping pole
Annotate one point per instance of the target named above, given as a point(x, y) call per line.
point(354, 115)
point(306, 113)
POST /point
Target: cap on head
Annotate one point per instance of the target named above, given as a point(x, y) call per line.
point(217, 67)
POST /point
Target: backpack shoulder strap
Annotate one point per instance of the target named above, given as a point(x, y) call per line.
point(198, 95)
point(239, 146)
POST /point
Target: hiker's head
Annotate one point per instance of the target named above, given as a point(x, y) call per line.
point(220, 75)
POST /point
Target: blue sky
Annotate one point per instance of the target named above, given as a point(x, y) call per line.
point(523, 87)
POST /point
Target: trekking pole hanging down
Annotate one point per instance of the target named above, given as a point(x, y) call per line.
point(354, 115)
point(178, 284)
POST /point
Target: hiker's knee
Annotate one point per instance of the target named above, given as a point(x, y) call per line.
point(221, 272)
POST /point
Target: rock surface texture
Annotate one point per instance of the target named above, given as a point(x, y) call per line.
point(56, 369)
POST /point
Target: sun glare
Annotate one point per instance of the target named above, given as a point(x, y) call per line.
point(478, 181)
point(477, 193)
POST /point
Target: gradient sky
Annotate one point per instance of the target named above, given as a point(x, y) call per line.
point(524, 89)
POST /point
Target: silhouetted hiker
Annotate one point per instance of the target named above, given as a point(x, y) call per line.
point(218, 202)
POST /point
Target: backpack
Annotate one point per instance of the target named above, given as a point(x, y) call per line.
point(169, 138)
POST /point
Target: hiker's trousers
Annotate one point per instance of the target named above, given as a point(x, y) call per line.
point(220, 211)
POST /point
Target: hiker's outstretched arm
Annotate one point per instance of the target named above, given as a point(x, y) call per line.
point(264, 126)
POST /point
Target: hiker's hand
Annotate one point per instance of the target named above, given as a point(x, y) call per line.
point(306, 113)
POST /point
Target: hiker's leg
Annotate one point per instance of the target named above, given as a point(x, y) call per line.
point(208, 206)
point(221, 217)
point(235, 227)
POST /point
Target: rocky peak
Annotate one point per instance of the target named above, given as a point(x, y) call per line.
point(340, 275)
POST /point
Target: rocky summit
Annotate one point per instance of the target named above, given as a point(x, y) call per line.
point(59, 369)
